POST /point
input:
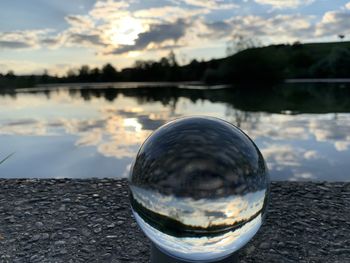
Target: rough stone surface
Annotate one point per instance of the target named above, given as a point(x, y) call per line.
point(90, 221)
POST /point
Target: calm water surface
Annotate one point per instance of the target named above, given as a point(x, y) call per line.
point(96, 130)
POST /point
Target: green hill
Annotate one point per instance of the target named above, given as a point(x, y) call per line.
point(277, 62)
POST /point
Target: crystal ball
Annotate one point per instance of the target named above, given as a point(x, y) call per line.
point(199, 188)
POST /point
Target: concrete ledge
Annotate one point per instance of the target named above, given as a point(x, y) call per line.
point(90, 221)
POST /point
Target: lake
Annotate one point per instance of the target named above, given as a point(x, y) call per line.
point(95, 130)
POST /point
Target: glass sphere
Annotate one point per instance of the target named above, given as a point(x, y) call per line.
point(199, 188)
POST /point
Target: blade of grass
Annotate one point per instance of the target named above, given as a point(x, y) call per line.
point(7, 157)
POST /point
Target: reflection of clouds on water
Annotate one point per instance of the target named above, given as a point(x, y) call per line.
point(276, 127)
point(24, 127)
point(284, 157)
point(203, 212)
point(305, 176)
point(114, 137)
point(302, 147)
point(281, 155)
point(324, 128)
point(115, 130)
point(311, 155)
point(333, 129)
point(202, 248)
point(342, 145)
point(287, 155)
point(90, 139)
point(115, 133)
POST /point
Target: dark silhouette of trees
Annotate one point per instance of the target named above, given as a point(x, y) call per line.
point(10, 74)
point(262, 65)
point(335, 65)
point(84, 73)
point(95, 74)
point(109, 73)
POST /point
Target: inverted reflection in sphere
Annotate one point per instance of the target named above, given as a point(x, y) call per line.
point(199, 188)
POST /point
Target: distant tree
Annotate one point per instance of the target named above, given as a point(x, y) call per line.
point(341, 36)
point(84, 74)
point(144, 64)
point(71, 76)
point(10, 74)
point(95, 74)
point(84, 70)
point(194, 62)
point(239, 43)
point(45, 76)
point(297, 45)
point(71, 73)
point(109, 73)
point(172, 59)
point(164, 62)
point(183, 59)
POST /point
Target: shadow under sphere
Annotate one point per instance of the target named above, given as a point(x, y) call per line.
point(199, 188)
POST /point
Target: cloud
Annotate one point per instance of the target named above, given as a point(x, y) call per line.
point(13, 44)
point(219, 26)
point(347, 6)
point(80, 21)
point(106, 10)
point(287, 26)
point(333, 23)
point(21, 39)
point(218, 29)
point(156, 35)
point(210, 4)
point(86, 39)
point(280, 4)
point(169, 13)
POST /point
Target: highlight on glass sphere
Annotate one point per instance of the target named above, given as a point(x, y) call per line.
point(199, 188)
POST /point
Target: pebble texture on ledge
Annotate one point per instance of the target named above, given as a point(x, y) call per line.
point(68, 220)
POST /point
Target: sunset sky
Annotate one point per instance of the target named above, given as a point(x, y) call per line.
point(58, 35)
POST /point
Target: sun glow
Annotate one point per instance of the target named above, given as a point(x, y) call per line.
point(125, 31)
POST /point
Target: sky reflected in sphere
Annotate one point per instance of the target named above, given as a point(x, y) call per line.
point(199, 188)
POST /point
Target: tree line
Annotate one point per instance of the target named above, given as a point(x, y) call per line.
point(265, 65)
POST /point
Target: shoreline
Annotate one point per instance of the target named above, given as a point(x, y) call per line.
point(160, 84)
point(89, 220)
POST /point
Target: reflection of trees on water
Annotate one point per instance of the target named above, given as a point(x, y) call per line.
point(238, 117)
point(296, 98)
